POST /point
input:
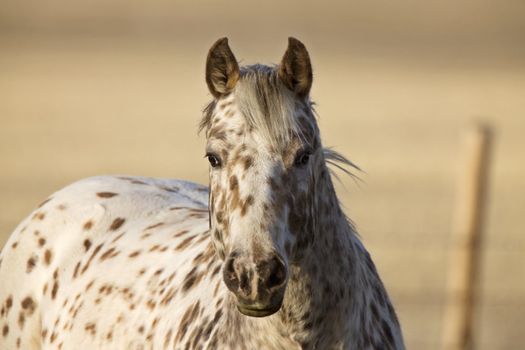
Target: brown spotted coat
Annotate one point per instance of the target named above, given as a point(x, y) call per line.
point(119, 262)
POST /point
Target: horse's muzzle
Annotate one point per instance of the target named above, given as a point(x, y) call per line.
point(258, 286)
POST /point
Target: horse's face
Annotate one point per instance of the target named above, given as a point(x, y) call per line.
point(262, 173)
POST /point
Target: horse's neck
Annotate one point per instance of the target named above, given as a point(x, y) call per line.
point(335, 298)
point(319, 296)
point(330, 292)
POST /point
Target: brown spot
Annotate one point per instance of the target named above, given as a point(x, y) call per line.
point(54, 290)
point(21, 320)
point(90, 327)
point(234, 183)
point(192, 278)
point(117, 223)
point(28, 304)
point(181, 233)
point(88, 225)
point(225, 104)
point(87, 244)
point(219, 216)
point(169, 296)
point(5, 330)
point(95, 252)
point(39, 215)
point(110, 253)
point(234, 187)
point(247, 204)
point(89, 285)
point(7, 306)
point(186, 320)
point(14, 245)
point(229, 113)
point(48, 256)
point(134, 254)
point(216, 270)
point(247, 162)
point(203, 257)
point(218, 133)
point(151, 304)
point(106, 194)
point(62, 207)
point(31, 263)
point(154, 225)
point(167, 338)
point(41, 242)
point(185, 243)
point(118, 237)
point(77, 267)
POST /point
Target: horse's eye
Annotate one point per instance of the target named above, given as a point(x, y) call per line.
point(214, 160)
point(302, 158)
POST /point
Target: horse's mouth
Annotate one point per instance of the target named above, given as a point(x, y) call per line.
point(258, 311)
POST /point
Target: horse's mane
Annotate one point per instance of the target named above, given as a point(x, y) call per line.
point(340, 162)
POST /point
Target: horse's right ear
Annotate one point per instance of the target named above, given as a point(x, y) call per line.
point(222, 69)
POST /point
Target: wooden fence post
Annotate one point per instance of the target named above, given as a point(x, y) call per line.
point(463, 270)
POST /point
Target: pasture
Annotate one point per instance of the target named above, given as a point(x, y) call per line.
point(74, 108)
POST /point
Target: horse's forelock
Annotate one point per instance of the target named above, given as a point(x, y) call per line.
point(266, 104)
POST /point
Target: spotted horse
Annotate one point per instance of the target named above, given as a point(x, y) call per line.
point(262, 259)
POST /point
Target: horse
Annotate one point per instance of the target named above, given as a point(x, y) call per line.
point(263, 258)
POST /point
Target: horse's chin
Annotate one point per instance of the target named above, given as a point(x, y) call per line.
point(255, 311)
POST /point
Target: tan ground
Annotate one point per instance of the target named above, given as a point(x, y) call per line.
point(75, 104)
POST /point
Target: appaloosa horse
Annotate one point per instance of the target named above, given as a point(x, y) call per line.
point(264, 259)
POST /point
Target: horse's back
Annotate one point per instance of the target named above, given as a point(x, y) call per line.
point(91, 249)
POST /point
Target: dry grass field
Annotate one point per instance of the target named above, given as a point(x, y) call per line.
point(119, 90)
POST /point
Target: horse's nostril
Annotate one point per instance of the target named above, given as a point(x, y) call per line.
point(245, 283)
point(277, 273)
point(230, 277)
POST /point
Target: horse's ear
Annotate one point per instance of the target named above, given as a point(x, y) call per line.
point(295, 69)
point(222, 69)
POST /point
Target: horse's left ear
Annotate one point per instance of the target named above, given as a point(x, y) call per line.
point(222, 69)
point(295, 70)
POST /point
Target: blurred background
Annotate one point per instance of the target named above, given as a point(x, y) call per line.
point(117, 87)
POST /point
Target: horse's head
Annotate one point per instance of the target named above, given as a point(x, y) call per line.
point(264, 150)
